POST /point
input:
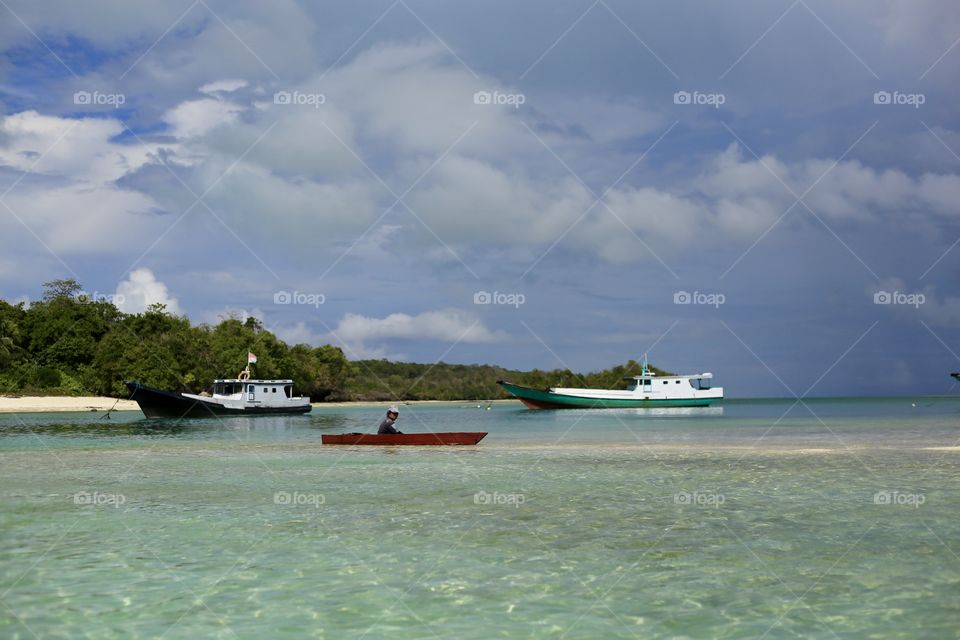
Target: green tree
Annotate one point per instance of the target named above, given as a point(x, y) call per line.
point(11, 317)
point(62, 288)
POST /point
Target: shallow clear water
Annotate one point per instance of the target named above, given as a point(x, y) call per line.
point(839, 518)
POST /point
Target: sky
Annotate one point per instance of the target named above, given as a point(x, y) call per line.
point(767, 190)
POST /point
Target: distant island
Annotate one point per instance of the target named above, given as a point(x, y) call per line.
point(66, 344)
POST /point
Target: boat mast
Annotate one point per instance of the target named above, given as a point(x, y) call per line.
point(245, 374)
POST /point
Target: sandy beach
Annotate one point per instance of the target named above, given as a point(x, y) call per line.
point(32, 404)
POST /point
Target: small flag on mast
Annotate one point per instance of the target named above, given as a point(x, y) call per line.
point(251, 358)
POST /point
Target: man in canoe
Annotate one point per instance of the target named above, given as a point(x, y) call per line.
point(387, 425)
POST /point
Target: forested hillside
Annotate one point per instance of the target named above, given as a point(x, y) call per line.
point(66, 344)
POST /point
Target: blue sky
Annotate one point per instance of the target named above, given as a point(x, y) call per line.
point(731, 187)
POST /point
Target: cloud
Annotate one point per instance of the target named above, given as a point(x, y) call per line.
point(223, 86)
point(141, 290)
point(447, 325)
point(355, 331)
point(82, 150)
point(303, 167)
point(195, 118)
point(67, 190)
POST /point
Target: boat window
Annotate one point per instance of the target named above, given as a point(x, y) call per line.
point(273, 390)
point(678, 382)
point(666, 382)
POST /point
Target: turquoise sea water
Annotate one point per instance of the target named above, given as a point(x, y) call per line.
point(834, 519)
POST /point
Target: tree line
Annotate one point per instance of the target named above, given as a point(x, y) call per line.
point(67, 344)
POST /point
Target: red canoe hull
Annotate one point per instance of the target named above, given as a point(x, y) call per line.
point(457, 437)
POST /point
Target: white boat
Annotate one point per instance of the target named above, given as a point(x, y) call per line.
point(645, 390)
point(242, 395)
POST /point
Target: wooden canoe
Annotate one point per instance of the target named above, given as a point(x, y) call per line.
point(451, 437)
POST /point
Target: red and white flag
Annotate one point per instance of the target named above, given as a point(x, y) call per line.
point(251, 358)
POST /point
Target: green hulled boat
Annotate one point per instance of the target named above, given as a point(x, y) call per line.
point(646, 390)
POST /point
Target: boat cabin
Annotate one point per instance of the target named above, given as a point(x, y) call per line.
point(255, 390)
point(648, 382)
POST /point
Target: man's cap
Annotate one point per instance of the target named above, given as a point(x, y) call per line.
point(393, 409)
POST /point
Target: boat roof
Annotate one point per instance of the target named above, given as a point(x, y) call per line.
point(253, 381)
point(703, 376)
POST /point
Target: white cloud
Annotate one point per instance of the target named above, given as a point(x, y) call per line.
point(141, 290)
point(194, 118)
point(68, 194)
point(354, 331)
point(79, 149)
point(469, 200)
point(738, 199)
point(446, 325)
point(298, 333)
point(223, 86)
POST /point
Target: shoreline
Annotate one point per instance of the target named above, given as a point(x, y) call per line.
point(53, 404)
